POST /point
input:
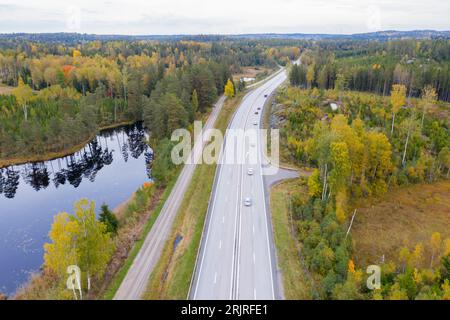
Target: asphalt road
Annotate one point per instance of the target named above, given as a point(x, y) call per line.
point(135, 282)
point(236, 259)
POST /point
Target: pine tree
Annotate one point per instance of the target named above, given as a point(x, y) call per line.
point(109, 219)
point(194, 101)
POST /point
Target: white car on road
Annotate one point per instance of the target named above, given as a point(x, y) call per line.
point(250, 171)
point(247, 202)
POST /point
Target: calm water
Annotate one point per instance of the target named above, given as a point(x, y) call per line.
point(108, 169)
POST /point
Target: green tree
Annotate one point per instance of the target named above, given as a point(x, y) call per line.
point(177, 116)
point(94, 244)
point(202, 80)
point(109, 219)
point(81, 240)
point(340, 84)
point(322, 258)
point(194, 101)
point(134, 97)
point(428, 100)
point(310, 75)
point(341, 166)
point(162, 165)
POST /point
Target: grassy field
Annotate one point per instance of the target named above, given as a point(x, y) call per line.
point(402, 217)
point(172, 275)
point(295, 281)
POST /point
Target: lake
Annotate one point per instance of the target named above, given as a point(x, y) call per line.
point(107, 170)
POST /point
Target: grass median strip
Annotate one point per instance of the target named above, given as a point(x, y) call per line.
point(172, 275)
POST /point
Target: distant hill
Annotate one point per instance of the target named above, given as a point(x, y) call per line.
point(62, 37)
point(379, 35)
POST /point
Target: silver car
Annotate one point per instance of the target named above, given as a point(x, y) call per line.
point(247, 202)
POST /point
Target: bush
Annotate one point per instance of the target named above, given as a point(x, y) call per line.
point(109, 219)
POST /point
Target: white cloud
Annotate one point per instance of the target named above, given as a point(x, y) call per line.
point(230, 16)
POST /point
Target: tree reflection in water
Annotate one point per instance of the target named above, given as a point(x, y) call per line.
point(84, 164)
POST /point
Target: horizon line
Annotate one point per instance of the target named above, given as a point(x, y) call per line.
point(221, 34)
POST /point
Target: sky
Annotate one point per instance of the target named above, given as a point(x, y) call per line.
point(147, 17)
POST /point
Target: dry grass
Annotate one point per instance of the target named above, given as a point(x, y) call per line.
point(403, 217)
point(5, 89)
point(250, 72)
point(295, 281)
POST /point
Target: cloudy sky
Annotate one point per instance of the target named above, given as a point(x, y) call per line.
point(221, 17)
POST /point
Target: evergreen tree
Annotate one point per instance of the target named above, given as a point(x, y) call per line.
point(109, 219)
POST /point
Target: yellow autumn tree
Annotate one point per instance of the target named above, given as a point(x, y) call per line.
point(435, 245)
point(229, 89)
point(62, 251)
point(351, 266)
point(78, 239)
point(428, 100)
point(398, 96)
point(447, 247)
point(314, 185)
point(310, 74)
point(417, 255)
point(23, 94)
point(76, 53)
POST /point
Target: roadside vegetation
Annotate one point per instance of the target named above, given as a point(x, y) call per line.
point(362, 146)
point(297, 284)
point(105, 248)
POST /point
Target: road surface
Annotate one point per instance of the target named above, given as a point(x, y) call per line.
point(236, 257)
point(135, 282)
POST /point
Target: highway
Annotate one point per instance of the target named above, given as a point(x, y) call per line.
point(236, 259)
point(135, 281)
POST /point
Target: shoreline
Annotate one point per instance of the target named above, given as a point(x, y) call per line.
point(59, 154)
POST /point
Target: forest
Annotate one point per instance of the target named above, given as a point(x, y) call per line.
point(63, 94)
point(375, 66)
